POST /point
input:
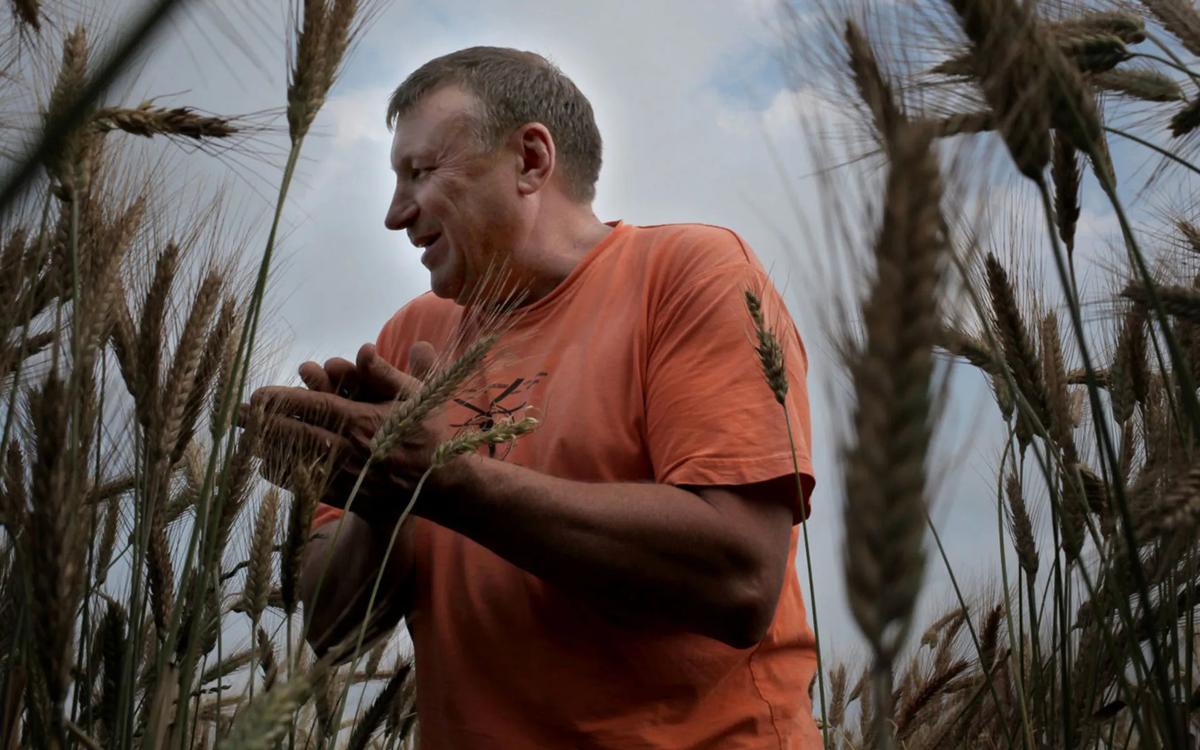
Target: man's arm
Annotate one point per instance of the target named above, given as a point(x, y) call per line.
point(710, 561)
point(344, 564)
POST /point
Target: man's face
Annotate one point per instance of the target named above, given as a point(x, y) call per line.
point(458, 203)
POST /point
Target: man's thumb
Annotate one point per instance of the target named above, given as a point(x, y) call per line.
point(376, 374)
point(421, 358)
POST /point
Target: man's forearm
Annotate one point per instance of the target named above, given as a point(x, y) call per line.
point(660, 555)
point(344, 565)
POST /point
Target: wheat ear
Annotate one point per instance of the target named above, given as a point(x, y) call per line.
point(148, 121)
point(406, 418)
point(1021, 527)
point(1144, 84)
point(505, 430)
point(891, 372)
point(1180, 18)
point(258, 572)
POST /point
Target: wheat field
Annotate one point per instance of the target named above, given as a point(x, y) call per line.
point(130, 616)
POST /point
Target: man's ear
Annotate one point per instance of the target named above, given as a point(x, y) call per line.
point(536, 157)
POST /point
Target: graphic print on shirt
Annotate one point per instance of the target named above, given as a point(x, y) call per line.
point(484, 414)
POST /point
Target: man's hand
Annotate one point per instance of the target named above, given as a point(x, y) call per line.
point(332, 424)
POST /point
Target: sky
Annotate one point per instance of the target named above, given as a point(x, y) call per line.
point(702, 120)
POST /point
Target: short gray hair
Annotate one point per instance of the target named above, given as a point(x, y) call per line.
point(515, 88)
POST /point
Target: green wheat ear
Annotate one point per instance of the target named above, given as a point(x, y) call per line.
point(770, 351)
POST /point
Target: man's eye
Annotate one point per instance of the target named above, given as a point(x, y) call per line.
point(418, 172)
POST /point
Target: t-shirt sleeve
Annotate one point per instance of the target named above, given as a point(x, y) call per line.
point(711, 417)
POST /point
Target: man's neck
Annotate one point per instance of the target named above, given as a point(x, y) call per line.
point(555, 249)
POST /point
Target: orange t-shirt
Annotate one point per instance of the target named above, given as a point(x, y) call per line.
point(641, 367)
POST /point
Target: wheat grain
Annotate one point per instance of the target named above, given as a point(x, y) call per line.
point(1058, 400)
point(321, 42)
point(1128, 371)
point(1094, 52)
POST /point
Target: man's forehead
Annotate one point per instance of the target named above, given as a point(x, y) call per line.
point(440, 116)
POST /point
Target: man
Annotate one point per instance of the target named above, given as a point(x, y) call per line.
point(623, 577)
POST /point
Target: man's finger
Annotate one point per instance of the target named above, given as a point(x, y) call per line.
point(315, 377)
point(343, 374)
point(313, 407)
point(421, 357)
point(378, 377)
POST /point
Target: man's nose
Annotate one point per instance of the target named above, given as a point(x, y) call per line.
point(401, 213)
